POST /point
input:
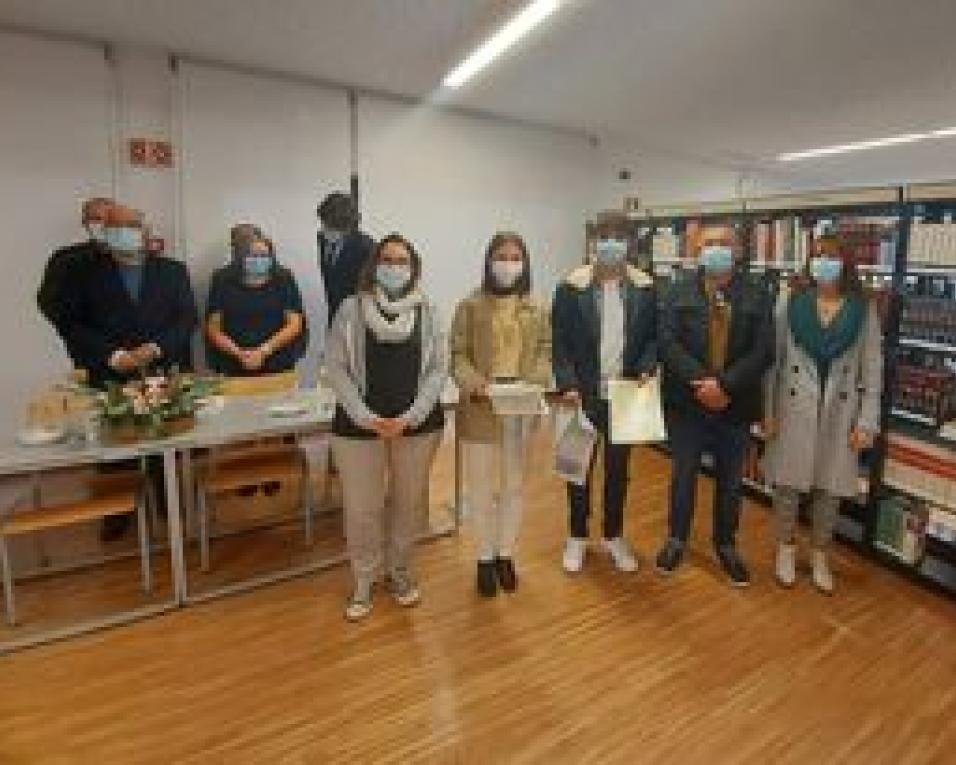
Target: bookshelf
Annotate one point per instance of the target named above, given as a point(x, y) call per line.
point(904, 241)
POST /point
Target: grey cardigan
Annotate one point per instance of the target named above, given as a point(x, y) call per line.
point(345, 364)
point(811, 449)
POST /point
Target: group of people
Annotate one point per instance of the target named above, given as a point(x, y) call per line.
point(808, 368)
point(120, 308)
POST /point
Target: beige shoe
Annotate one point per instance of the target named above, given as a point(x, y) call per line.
point(787, 564)
point(822, 578)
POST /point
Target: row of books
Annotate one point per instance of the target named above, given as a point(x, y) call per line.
point(926, 392)
point(932, 244)
point(931, 319)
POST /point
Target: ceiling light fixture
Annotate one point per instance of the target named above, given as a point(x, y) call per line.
point(500, 41)
point(844, 148)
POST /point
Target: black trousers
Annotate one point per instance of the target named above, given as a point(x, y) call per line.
point(616, 459)
point(690, 435)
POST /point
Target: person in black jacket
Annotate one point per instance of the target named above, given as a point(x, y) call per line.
point(604, 327)
point(126, 310)
point(57, 276)
point(255, 323)
point(343, 249)
point(716, 338)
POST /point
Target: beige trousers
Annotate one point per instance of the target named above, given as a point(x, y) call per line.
point(380, 537)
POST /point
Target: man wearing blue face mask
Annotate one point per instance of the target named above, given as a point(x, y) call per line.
point(343, 249)
point(128, 310)
point(716, 336)
point(255, 323)
point(604, 327)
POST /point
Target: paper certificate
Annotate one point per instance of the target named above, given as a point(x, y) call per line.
point(517, 399)
point(636, 413)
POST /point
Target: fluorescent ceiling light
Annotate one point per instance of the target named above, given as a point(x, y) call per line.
point(500, 41)
point(845, 148)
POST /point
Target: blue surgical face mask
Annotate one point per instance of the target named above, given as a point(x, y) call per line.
point(611, 252)
point(124, 239)
point(257, 266)
point(716, 258)
point(825, 269)
point(393, 277)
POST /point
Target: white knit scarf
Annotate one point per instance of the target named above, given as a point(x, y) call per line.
point(391, 321)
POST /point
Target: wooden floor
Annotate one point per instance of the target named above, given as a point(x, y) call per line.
point(600, 668)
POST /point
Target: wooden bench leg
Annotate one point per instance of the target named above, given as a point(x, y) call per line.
point(7, 582)
point(144, 543)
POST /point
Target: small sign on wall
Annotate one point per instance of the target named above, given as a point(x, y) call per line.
point(145, 152)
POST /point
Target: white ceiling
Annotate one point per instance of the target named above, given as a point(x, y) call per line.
point(731, 81)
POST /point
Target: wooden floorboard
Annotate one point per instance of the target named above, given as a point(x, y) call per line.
point(599, 668)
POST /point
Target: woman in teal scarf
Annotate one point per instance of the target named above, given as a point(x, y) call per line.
point(822, 403)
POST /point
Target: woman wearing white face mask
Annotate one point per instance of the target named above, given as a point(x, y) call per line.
point(255, 323)
point(387, 365)
point(498, 334)
point(822, 403)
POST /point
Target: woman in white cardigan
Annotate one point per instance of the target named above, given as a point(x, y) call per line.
point(822, 404)
point(387, 365)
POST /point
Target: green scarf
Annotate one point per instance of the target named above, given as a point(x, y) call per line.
point(824, 344)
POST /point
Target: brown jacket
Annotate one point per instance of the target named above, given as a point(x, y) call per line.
point(472, 347)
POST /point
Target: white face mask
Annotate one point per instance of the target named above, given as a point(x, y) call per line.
point(507, 272)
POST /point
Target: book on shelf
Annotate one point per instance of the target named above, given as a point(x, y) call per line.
point(932, 244)
point(921, 469)
point(901, 524)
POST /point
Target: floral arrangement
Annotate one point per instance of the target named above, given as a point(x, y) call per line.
point(153, 406)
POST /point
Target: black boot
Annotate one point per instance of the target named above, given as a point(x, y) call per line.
point(507, 578)
point(487, 579)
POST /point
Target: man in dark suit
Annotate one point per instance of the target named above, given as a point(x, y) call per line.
point(716, 335)
point(64, 262)
point(604, 327)
point(128, 310)
point(343, 249)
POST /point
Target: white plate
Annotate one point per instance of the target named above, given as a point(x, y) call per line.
point(40, 436)
point(288, 409)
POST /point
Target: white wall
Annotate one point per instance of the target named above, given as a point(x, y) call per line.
point(54, 151)
point(262, 150)
point(449, 181)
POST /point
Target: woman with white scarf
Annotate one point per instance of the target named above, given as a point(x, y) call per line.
point(387, 365)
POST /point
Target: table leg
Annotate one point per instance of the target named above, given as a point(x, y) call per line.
point(175, 525)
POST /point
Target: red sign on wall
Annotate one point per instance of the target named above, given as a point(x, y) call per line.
point(144, 152)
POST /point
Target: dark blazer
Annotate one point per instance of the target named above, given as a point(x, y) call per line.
point(104, 318)
point(58, 275)
point(340, 277)
point(684, 339)
point(576, 330)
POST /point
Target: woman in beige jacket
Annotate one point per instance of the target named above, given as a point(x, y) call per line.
point(498, 334)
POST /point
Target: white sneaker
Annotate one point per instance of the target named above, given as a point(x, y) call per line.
point(822, 578)
point(574, 551)
point(621, 553)
point(359, 605)
point(787, 564)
